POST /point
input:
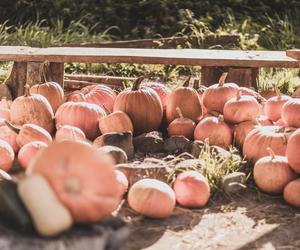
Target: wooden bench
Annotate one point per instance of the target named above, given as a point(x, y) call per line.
point(32, 65)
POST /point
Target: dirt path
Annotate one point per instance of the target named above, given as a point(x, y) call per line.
point(251, 221)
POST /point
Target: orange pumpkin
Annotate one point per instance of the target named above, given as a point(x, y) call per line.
point(68, 132)
point(267, 94)
point(7, 156)
point(241, 130)
point(4, 113)
point(81, 115)
point(241, 108)
point(216, 95)
point(143, 107)
point(8, 135)
point(187, 99)
point(52, 91)
point(292, 151)
point(273, 106)
point(272, 173)
point(291, 193)
point(4, 103)
point(117, 121)
point(264, 121)
point(182, 126)
point(263, 137)
point(281, 123)
point(291, 112)
point(215, 130)
point(96, 94)
point(33, 109)
point(28, 152)
point(82, 178)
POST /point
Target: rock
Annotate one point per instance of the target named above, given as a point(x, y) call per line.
point(222, 153)
point(191, 164)
point(151, 142)
point(176, 144)
point(136, 171)
point(120, 140)
point(234, 182)
point(117, 153)
point(185, 156)
point(195, 148)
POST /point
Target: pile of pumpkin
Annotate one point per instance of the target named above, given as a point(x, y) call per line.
point(79, 183)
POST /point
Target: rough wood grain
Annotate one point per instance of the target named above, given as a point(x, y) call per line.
point(56, 71)
point(294, 53)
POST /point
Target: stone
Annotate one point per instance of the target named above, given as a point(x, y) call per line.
point(151, 142)
point(191, 164)
point(195, 148)
point(223, 153)
point(234, 182)
point(121, 140)
point(117, 153)
point(176, 144)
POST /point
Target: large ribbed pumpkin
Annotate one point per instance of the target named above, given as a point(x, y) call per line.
point(187, 99)
point(143, 107)
point(98, 94)
point(273, 105)
point(290, 112)
point(293, 150)
point(82, 178)
point(8, 135)
point(216, 95)
point(82, 115)
point(52, 91)
point(32, 109)
point(263, 137)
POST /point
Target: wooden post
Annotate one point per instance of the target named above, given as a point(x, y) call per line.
point(56, 73)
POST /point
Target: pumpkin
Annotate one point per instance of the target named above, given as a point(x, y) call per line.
point(68, 132)
point(182, 126)
point(28, 152)
point(216, 95)
point(97, 94)
point(272, 173)
point(143, 107)
point(267, 94)
point(191, 189)
point(263, 137)
point(8, 135)
point(82, 178)
point(4, 113)
point(39, 199)
point(122, 180)
point(264, 121)
point(4, 103)
point(33, 109)
point(152, 198)
point(187, 99)
point(117, 121)
point(81, 115)
point(52, 91)
point(291, 112)
point(273, 105)
point(241, 130)
point(280, 122)
point(30, 132)
point(215, 130)
point(292, 151)
point(291, 193)
point(241, 108)
point(7, 156)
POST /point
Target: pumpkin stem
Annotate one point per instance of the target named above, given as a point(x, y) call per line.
point(26, 90)
point(223, 78)
point(238, 95)
point(187, 82)
point(196, 84)
point(137, 83)
point(271, 152)
point(179, 112)
point(72, 185)
point(12, 127)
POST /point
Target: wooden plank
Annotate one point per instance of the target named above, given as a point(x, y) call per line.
point(222, 58)
point(56, 73)
point(17, 79)
point(294, 53)
point(77, 84)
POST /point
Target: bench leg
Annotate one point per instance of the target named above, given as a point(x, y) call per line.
point(246, 77)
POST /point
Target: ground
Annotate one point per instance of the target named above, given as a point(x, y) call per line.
point(248, 221)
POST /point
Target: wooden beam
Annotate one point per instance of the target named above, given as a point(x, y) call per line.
point(294, 53)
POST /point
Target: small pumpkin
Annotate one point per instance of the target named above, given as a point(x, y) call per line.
point(82, 178)
point(8, 135)
point(215, 130)
point(292, 151)
point(290, 113)
point(272, 173)
point(33, 109)
point(68, 132)
point(241, 130)
point(28, 152)
point(5, 103)
point(291, 193)
point(191, 189)
point(142, 105)
point(7, 156)
point(273, 105)
point(52, 91)
point(82, 115)
point(216, 95)
point(187, 99)
point(241, 108)
point(152, 198)
point(182, 126)
point(117, 121)
point(4, 113)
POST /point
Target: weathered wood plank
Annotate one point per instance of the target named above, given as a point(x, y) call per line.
point(294, 53)
point(221, 58)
